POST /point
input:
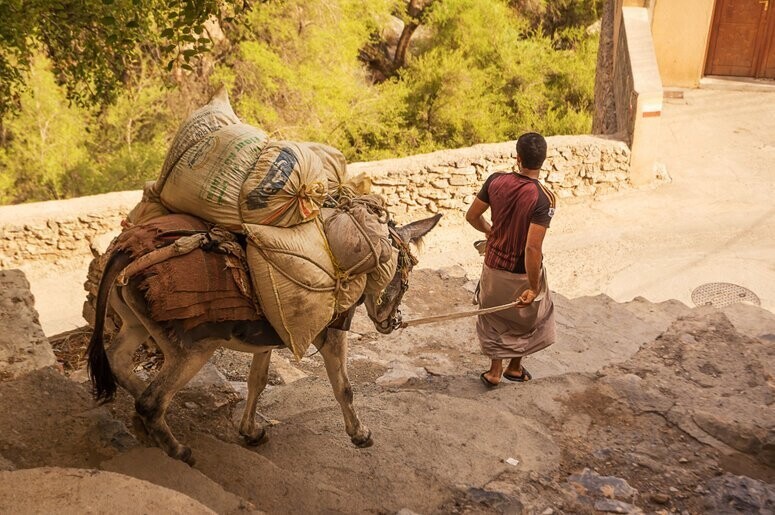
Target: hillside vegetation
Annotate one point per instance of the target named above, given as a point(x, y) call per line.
point(375, 78)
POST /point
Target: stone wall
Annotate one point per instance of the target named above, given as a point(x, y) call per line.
point(576, 166)
point(624, 94)
point(60, 229)
point(604, 120)
point(447, 180)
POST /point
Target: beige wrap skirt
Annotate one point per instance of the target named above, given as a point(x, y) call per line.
point(514, 332)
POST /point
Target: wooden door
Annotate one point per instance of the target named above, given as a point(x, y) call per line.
point(742, 40)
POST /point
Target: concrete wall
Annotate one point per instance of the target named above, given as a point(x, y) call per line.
point(681, 29)
point(638, 93)
point(628, 87)
point(447, 180)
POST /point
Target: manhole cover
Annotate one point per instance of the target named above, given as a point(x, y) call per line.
point(719, 295)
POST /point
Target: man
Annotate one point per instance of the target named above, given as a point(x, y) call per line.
point(522, 209)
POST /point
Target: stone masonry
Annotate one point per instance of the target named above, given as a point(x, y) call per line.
point(446, 181)
point(59, 229)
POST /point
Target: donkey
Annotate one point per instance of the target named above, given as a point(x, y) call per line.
point(186, 352)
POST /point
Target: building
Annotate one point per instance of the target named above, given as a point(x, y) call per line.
point(694, 39)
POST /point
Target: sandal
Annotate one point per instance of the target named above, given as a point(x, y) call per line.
point(487, 382)
point(521, 378)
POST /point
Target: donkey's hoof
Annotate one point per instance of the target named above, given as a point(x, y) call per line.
point(185, 455)
point(363, 441)
point(256, 439)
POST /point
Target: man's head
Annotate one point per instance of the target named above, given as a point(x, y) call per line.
point(531, 150)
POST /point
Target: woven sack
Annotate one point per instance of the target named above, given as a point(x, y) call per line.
point(286, 187)
point(340, 182)
point(207, 181)
point(297, 285)
point(357, 233)
point(378, 279)
point(214, 115)
point(149, 207)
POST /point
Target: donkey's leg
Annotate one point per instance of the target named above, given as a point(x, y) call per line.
point(334, 351)
point(179, 367)
point(259, 375)
point(124, 345)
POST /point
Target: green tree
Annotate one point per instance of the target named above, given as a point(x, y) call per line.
point(470, 72)
point(131, 136)
point(295, 69)
point(46, 148)
point(553, 16)
point(95, 45)
point(483, 74)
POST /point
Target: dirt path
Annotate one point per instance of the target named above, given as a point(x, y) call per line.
point(641, 392)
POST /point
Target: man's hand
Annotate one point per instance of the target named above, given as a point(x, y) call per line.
point(527, 297)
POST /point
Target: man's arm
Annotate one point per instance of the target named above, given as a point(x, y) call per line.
point(533, 258)
point(475, 218)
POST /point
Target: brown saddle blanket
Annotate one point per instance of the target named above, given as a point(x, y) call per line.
point(198, 287)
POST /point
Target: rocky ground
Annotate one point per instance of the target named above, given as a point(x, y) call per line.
point(639, 407)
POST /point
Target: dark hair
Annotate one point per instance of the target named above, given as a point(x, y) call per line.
point(531, 147)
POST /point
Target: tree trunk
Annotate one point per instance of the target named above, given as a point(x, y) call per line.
point(414, 10)
point(399, 60)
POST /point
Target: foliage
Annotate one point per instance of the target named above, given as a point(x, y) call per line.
point(48, 145)
point(94, 45)
point(474, 72)
point(553, 16)
point(296, 72)
point(56, 150)
point(478, 73)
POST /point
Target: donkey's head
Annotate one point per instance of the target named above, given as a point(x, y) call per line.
point(383, 307)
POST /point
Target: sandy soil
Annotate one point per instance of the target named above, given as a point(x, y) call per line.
point(642, 392)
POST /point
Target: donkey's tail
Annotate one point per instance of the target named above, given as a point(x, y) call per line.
point(102, 378)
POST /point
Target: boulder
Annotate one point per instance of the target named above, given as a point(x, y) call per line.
point(23, 346)
point(54, 489)
point(739, 494)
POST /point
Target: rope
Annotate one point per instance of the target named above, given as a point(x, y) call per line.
point(464, 314)
point(217, 239)
point(181, 246)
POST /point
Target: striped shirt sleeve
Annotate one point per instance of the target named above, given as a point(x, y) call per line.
point(545, 206)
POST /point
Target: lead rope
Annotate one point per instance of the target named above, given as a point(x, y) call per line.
point(476, 312)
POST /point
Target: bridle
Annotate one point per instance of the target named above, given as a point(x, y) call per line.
point(406, 261)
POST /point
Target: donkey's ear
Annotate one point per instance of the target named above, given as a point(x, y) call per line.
point(416, 230)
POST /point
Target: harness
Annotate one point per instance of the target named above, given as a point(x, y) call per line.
point(406, 260)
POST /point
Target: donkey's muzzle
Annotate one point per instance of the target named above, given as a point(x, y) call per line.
point(391, 324)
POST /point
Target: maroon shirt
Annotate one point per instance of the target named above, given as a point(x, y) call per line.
point(516, 201)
